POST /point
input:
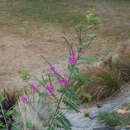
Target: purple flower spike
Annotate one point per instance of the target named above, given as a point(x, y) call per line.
point(73, 60)
point(63, 81)
point(34, 88)
point(60, 78)
point(24, 99)
point(52, 68)
point(50, 88)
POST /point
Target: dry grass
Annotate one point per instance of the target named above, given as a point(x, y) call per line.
point(22, 13)
point(104, 83)
point(123, 64)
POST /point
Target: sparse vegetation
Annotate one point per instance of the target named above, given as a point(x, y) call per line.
point(105, 80)
point(114, 119)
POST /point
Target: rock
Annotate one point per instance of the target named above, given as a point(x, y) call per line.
point(104, 128)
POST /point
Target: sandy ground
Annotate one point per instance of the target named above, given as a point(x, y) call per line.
point(18, 53)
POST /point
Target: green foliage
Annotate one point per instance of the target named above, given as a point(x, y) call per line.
point(113, 119)
point(82, 79)
point(73, 69)
point(63, 122)
point(110, 119)
point(89, 59)
point(6, 114)
point(91, 18)
point(28, 124)
point(111, 80)
point(86, 95)
point(25, 74)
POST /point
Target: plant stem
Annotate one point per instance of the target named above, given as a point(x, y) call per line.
point(4, 116)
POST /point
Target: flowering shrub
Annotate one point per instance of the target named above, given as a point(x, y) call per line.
point(59, 99)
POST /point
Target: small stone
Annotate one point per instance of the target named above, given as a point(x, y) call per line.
point(86, 114)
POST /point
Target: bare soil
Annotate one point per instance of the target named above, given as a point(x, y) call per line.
point(21, 50)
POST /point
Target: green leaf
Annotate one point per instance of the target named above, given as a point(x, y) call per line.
point(78, 26)
point(72, 96)
point(43, 82)
point(71, 106)
point(28, 124)
point(63, 121)
point(1, 124)
point(17, 123)
point(73, 69)
point(1, 99)
point(87, 95)
point(61, 90)
point(82, 79)
point(17, 112)
point(90, 26)
point(79, 47)
point(50, 110)
point(93, 42)
point(98, 20)
point(25, 74)
point(89, 58)
point(92, 35)
point(17, 128)
point(9, 113)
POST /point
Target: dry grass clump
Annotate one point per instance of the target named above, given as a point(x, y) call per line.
point(104, 83)
point(123, 64)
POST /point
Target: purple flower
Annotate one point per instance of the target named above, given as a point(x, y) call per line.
point(50, 88)
point(24, 99)
point(34, 88)
point(60, 78)
point(82, 52)
point(73, 60)
point(52, 68)
point(63, 81)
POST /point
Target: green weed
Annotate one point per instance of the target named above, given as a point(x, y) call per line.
point(114, 119)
